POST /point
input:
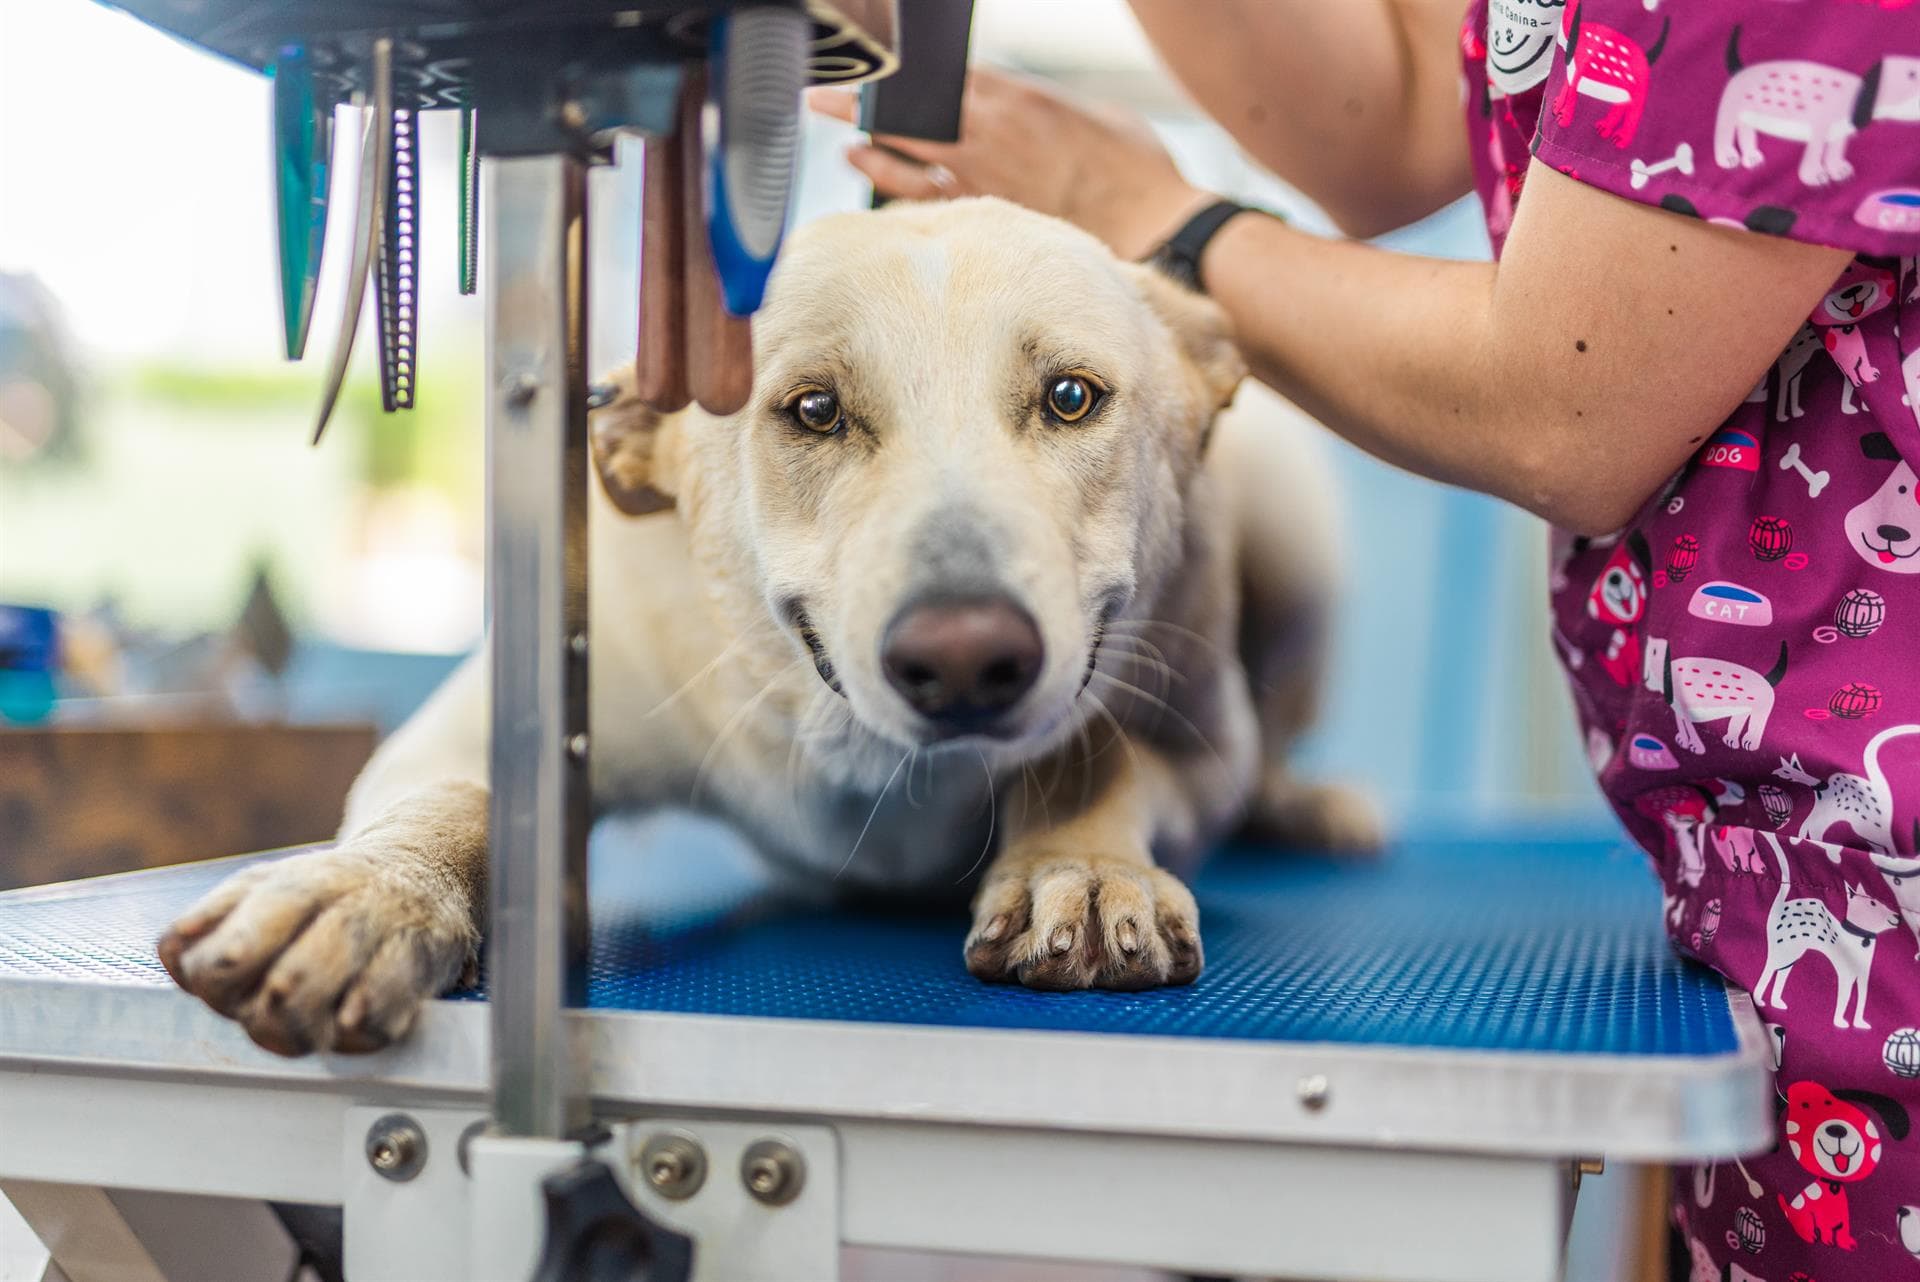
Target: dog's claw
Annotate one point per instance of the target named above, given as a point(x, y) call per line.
point(1062, 941)
point(994, 929)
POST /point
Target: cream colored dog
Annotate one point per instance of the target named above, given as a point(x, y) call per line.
point(956, 591)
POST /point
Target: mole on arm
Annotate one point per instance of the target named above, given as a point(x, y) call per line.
point(1579, 344)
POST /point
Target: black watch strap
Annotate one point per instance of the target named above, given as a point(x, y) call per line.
point(1179, 257)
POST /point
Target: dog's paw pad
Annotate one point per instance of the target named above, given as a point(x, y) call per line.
point(1064, 924)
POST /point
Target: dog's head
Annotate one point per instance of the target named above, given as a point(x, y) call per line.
point(1834, 1135)
point(968, 447)
point(1619, 595)
point(1861, 290)
point(1884, 528)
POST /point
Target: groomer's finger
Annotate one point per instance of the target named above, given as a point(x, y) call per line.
point(897, 178)
point(840, 104)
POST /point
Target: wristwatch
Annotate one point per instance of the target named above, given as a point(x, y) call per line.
point(1179, 256)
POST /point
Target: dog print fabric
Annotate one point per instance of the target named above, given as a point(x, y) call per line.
point(1745, 655)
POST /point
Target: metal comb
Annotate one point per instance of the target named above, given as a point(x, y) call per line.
point(397, 298)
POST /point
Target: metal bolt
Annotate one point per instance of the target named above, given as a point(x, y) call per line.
point(1313, 1092)
point(577, 746)
point(396, 1147)
point(519, 389)
point(577, 643)
point(773, 1172)
point(675, 1166)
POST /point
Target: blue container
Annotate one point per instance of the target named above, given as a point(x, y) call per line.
point(29, 660)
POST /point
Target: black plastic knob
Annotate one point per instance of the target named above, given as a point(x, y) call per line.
point(596, 1234)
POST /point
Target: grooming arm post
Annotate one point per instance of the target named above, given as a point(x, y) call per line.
point(535, 281)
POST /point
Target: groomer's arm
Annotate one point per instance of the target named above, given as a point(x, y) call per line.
point(1572, 377)
point(1355, 102)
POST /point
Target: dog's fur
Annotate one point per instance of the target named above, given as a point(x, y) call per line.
point(1179, 571)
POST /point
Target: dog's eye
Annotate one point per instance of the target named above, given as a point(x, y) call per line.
point(1071, 398)
point(817, 411)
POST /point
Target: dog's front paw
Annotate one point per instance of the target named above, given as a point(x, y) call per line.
point(327, 951)
point(1073, 922)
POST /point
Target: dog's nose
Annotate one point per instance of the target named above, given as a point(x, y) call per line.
point(1892, 534)
point(1836, 1130)
point(962, 662)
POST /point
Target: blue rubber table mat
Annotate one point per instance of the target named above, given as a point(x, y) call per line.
point(1513, 942)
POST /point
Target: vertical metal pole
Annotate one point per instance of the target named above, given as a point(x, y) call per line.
point(535, 281)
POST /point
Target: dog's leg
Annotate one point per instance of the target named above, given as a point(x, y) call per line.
point(1834, 162)
point(1080, 903)
point(1286, 810)
point(1726, 150)
point(1287, 574)
point(336, 949)
point(1813, 171)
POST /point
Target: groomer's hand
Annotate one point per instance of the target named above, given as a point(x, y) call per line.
point(1099, 167)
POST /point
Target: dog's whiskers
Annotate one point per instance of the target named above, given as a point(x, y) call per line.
point(1134, 627)
point(993, 820)
point(1177, 715)
point(904, 758)
point(1160, 667)
point(1118, 733)
point(706, 671)
point(733, 723)
point(1034, 792)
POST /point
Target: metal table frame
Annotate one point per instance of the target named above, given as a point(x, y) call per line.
point(1300, 1160)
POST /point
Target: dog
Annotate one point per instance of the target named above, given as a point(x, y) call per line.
point(1861, 291)
point(1709, 689)
point(1884, 528)
point(1796, 927)
point(1619, 597)
point(981, 578)
point(1862, 802)
point(1833, 1136)
point(1607, 66)
point(1808, 102)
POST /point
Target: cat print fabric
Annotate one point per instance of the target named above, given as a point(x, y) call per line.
point(1745, 655)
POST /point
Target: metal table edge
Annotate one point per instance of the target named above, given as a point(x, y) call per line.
point(1627, 1108)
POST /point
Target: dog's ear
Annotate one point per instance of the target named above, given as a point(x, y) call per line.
point(629, 450)
point(1641, 554)
point(1875, 445)
point(1204, 337)
point(1890, 1110)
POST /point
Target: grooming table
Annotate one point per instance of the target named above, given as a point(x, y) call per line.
point(1387, 1072)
